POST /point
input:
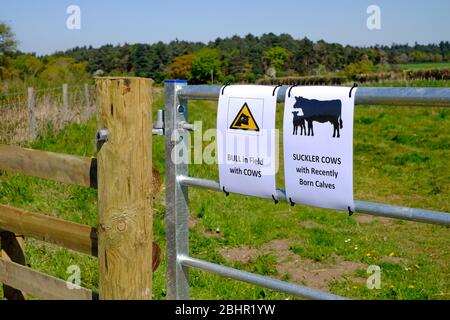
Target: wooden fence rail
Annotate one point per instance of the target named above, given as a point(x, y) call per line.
point(70, 235)
point(60, 167)
point(74, 236)
point(126, 183)
point(65, 168)
point(40, 285)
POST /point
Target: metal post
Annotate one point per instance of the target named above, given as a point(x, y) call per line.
point(65, 102)
point(176, 195)
point(86, 96)
point(31, 114)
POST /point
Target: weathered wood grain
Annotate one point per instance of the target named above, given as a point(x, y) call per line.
point(40, 285)
point(125, 189)
point(71, 235)
point(56, 166)
point(74, 236)
point(49, 165)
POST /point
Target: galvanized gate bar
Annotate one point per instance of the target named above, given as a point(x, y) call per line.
point(177, 211)
point(266, 282)
point(397, 96)
point(405, 213)
point(377, 209)
point(177, 94)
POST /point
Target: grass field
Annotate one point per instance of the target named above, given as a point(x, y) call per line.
point(401, 156)
point(411, 83)
point(429, 65)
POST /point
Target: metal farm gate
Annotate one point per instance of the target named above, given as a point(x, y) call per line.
point(177, 93)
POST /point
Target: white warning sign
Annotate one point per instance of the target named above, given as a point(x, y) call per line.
point(318, 146)
point(246, 140)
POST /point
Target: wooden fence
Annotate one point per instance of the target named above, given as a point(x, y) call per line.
point(126, 183)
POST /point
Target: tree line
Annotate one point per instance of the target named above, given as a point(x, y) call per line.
point(233, 59)
point(19, 70)
point(248, 58)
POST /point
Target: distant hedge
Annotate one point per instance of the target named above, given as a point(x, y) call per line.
point(309, 80)
point(428, 74)
point(422, 74)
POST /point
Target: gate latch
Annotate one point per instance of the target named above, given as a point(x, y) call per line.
point(158, 126)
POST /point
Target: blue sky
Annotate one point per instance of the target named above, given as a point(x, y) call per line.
point(40, 25)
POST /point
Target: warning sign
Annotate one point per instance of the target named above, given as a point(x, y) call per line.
point(246, 140)
point(244, 120)
point(318, 147)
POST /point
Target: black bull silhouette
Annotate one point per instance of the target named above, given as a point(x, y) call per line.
point(320, 111)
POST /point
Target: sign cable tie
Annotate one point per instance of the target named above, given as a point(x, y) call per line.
point(226, 85)
point(289, 92)
point(275, 89)
point(355, 85)
point(274, 199)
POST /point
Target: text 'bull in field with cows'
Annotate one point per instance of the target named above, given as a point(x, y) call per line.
point(320, 111)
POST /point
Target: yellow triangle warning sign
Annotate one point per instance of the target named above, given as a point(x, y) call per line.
point(244, 120)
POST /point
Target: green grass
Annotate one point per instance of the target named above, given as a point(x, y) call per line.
point(428, 65)
point(401, 156)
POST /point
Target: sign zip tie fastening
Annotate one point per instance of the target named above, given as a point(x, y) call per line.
point(355, 85)
point(292, 203)
point(226, 85)
point(289, 92)
point(350, 212)
point(274, 199)
point(275, 89)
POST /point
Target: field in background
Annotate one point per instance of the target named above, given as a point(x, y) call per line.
point(401, 156)
point(428, 65)
point(414, 83)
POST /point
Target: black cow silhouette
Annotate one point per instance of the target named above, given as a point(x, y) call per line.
point(321, 111)
point(298, 121)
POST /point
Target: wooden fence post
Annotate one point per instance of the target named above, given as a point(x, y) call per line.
point(65, 102)
point(31, 114)
point(124, 171)
point(12, 250)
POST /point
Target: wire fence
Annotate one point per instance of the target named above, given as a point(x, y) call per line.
point(26, 115)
